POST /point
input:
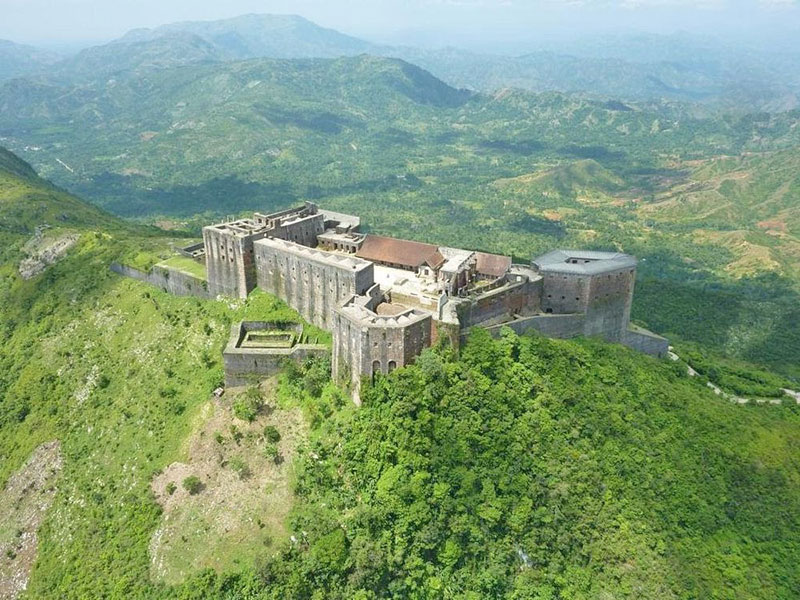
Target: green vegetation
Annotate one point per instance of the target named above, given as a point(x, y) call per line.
point(522, 468)
point(271, 434)
point(707, 202)
point(192, 485)
point(187, 265)
point(533, 468)
point(247, 405)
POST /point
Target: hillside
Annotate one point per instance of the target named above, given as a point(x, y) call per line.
point(523, 467)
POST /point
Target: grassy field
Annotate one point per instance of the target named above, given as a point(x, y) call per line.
point(187, 265)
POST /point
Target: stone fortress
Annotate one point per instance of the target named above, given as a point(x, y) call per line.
point(387, 299)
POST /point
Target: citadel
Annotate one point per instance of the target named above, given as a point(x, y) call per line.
point(385, 300)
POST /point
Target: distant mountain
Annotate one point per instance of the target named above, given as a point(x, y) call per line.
point(19, 60)
point(629, 68)
point(171, 49)
point(269, 36)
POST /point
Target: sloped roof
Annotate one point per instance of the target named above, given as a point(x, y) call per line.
point(401, 252)
point(493, 265)
point(583, 262)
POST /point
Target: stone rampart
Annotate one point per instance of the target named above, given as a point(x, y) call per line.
point(246, 365)
point(311, 281)
point(168, 280)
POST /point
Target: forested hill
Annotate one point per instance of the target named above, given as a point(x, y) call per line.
point(523, 468)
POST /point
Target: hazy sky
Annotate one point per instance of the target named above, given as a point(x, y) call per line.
point(434, 22)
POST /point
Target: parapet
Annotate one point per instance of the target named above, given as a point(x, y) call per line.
point(320, 257)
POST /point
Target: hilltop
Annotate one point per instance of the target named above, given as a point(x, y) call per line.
point(522, 466)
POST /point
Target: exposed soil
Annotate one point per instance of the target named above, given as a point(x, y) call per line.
point(241, 508)
point(24, 501)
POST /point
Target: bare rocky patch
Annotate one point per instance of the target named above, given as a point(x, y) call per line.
point(44, 251)
point(24, 501)
point(237, 507)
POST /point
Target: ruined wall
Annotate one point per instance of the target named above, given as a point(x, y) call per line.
point(312, 282)
point(303, 231)
point(168, 280)
point(514, 298)
point(229, 263)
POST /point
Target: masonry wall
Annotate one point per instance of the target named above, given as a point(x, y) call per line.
point(303, 231)
point(366, 349)
point(230, 264)
point(244, 365)
point(565, 293)
point(512, 299)
point(604, 298)
point(168, 280)
point(555, 326)
point(608, 309)
point(647, 342)
point(312, 287)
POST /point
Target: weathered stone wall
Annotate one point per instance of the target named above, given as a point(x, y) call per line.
point(514, 298)
point(370, 347)
point(555, 326)
point(605, 298)
point(168, 280)
point(647, 342)
point(564, 293)
point(608, 309)
point(313, 282)
point(303, 231)
point(230, 264)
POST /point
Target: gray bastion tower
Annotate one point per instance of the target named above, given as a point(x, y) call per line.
point(386, 299)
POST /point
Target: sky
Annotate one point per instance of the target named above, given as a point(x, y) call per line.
point(479, 24)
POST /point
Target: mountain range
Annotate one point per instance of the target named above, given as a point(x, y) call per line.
point(678, 68)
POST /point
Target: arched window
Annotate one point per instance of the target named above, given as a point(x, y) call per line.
point(376, 367)
point(392, 366)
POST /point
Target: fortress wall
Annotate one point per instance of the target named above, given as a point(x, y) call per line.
point(309, 281)
point(555, 326)
point(609, 305)
point(229, 263)
point(303, 231)
point(243, 365)
point(364, 348)
point(565, 293)
point(647, 342)
point(169, 280)
point(512, 299)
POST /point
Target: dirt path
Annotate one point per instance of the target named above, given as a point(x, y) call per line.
point(739, 400)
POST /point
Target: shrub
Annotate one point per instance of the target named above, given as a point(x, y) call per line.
point(171, 487)
point(240, 467)
point(272, 434)
point(247, 405)
point(192, 484)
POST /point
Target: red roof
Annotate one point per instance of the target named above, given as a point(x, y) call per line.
point(492, 265)
point(399, 252)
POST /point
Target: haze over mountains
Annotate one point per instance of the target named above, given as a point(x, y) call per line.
point(636, 68)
